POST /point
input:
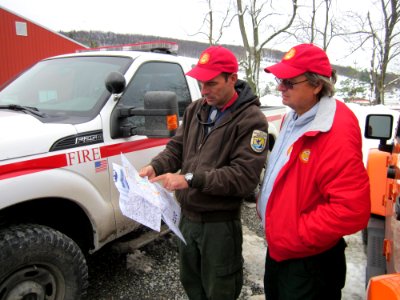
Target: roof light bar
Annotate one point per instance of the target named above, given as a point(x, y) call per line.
point(154, 46)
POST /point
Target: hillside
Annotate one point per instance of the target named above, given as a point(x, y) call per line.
point(193, 49)
point(186, 48)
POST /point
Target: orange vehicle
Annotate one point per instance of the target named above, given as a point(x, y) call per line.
point(383, 232)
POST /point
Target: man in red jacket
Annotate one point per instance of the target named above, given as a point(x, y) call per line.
point(315, 189)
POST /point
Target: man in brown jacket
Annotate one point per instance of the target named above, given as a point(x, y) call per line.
point(219, 151)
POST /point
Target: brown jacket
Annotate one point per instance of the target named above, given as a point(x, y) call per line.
point(224, 164)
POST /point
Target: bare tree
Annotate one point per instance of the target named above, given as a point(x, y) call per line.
point(372, 71)
point(210, 24)
point(321, 27)
point(328, 23)
point(253, 44)
point(387, 44)
point(384, 38)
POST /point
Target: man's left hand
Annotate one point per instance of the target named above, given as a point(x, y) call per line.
point(172, 181)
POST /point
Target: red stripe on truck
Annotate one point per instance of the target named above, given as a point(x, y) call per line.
point(116, 149)
point(274, 118)
point(32, 166)
point(60, 160)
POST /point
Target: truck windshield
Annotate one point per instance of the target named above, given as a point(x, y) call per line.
point(68, 89)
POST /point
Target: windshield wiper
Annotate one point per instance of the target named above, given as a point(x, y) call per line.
point(29, 109)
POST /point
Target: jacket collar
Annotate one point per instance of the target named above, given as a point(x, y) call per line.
point(324, 118)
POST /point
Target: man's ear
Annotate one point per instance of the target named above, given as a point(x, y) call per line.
point(317, 89)
point(234, 77)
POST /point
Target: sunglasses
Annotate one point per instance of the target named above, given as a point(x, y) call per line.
point(287, 83)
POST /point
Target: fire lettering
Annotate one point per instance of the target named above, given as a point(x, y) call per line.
point(83, 156)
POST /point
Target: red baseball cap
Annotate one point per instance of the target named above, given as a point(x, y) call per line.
point(300, 59)
point(212, 62)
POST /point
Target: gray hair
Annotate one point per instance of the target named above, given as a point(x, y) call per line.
point(328, 84)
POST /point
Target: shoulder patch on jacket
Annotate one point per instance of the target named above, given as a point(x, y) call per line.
point(258, 141)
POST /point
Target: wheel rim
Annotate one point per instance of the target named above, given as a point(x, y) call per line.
point(33, 282)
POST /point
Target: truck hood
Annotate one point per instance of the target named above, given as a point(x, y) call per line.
point(23, 135)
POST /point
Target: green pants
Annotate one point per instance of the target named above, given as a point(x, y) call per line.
point(211, 264)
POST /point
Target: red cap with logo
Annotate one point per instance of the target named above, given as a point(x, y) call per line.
point(301, 59)
point(212, 62)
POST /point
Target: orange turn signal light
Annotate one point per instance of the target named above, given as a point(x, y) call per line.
point(172, 122)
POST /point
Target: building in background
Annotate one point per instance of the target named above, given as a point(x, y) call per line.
point(23, 43)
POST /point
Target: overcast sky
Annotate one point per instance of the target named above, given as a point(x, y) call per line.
point(175, 18)
point(166, 18)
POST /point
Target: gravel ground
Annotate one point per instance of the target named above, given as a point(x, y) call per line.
point(152, 272)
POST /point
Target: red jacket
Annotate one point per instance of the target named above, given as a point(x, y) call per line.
point(322, 193)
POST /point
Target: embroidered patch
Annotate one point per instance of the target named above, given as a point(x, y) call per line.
point(259, 141)
point(289, 54)
point(204, 59)
point(305, 155)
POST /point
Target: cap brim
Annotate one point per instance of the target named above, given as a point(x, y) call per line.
point(202, 74)
point(284, 71)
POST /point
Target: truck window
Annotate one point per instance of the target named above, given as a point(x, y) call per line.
point(69, 90)
point(157, 76)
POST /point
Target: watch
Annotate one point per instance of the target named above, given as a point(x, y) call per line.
point(189, 178)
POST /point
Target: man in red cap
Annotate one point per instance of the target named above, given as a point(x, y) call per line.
point(218, 152)
point(315, 189)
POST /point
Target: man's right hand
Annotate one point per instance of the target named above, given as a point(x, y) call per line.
point(147, 171)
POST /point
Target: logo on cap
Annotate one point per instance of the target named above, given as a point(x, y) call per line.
point(290, 54)
point(204, 58)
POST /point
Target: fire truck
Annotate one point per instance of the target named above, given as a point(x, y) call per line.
point(383, 231)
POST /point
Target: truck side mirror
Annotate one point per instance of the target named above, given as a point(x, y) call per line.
point(379, 127)
point(164, 123)
point(115, 83)
point(160, 113)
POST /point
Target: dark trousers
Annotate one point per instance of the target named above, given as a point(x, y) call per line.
point(316, 277)
point(211, 263)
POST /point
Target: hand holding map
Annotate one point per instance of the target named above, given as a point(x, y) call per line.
point(145, 202)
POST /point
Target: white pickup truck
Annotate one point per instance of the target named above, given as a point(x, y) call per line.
point(64, 122)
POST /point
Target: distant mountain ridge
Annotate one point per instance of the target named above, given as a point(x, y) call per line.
point(192, 49)
point(187, 48)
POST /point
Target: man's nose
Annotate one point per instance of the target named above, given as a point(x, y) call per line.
point(281, 87)
point(204, 90)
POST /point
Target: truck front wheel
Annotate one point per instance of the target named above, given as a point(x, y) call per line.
point(38, 262)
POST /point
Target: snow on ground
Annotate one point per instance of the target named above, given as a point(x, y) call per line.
point(356, 262)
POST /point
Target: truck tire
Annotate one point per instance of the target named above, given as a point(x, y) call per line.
point(38, 262)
